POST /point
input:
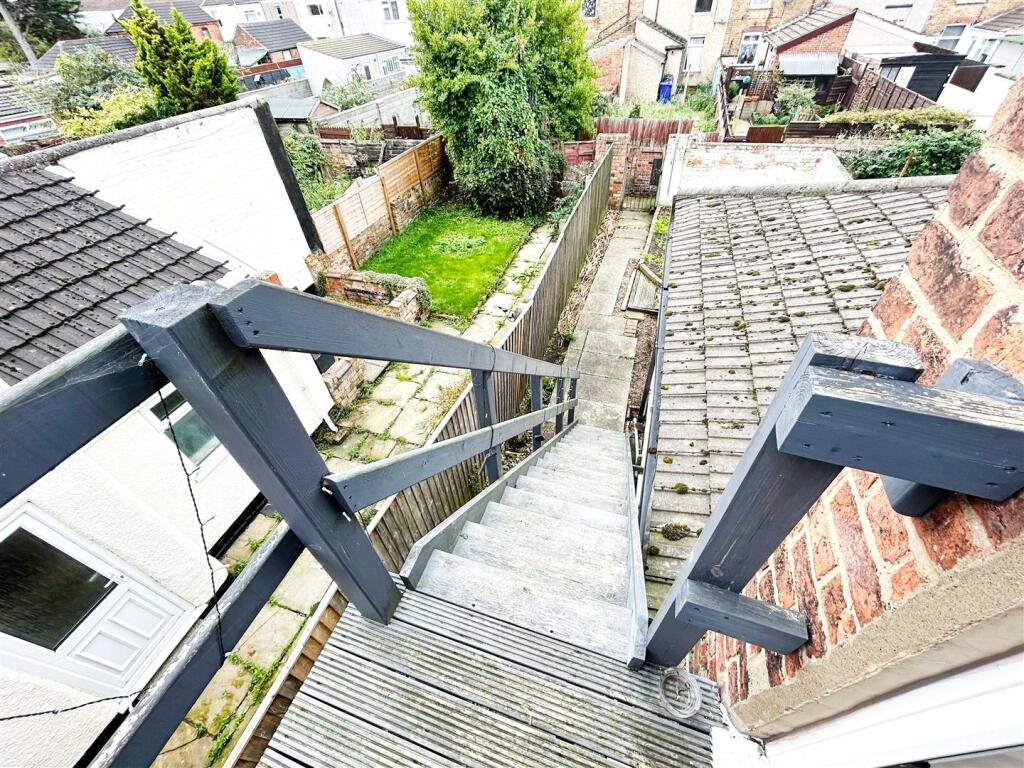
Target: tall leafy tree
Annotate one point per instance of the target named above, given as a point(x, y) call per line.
point(85, 77)
point(184, 74)
point(502, 80)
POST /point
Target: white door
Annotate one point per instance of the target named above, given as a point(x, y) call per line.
point(72, 613)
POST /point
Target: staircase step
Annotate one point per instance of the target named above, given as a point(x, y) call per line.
point(567, 577)
point(610, 485)
point(580, 470)
point(571, 493)
point(557, 509)
point(498, 592)
point(594, 460)
point(575, 540)
point(611, 450)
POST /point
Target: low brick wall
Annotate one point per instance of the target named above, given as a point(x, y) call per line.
point(404, 298)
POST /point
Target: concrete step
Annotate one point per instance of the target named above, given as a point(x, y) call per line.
point(607, 484)
point(556, 509)
point(574, 539)
point(569, 578)
point(510, 596)
point(572, 494)
point(616, 445)
point(593, 459)
point(584, 471)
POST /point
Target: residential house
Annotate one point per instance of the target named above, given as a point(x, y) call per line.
point(119, 46)
point(947, 19)
point(94, 16)
point(336, 60)
point(997, 44)
point(204, 26)
point(279, 39)
point(385, 18)
point(231, 13)
point(86, 233)
point(20, 122)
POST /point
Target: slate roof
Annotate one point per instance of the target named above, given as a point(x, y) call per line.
point(749, 276)
point(192, 13)
point(119, 47)
point(70, 263)
point(353, 46)
point(276, 35)
point(13, 108)
point(807, 23)
point(1011, 21)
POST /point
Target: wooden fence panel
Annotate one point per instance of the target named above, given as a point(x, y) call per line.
point(648, 130)
point(410, 514)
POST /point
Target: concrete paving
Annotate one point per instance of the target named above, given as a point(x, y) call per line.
point(604, 342)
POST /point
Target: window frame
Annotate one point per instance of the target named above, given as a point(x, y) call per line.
point(697, 4)
point(319, 9)
point(759, 5)
point(214, 457)
point(689, 47)
point(590, 5)
point(758, 36)
point(391, 10)
point(943, 35)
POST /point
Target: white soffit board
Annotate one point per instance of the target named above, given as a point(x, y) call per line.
point(809, 63)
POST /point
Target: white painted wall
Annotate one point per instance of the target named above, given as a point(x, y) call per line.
point(320, 67)
point(359, 16)
point(230, 15)
point(983, 102)
point(681, 19)
point(870, 35)
point(219, 188)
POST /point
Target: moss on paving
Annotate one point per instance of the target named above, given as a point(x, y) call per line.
point(461, 255)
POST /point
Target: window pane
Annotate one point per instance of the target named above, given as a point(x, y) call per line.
point(172, 401)
point(45, 593)
point(195, 438)
point(702, 6)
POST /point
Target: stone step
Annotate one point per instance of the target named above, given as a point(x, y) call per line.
point(571, 493)
point(607, 484)
point(556, 509)
point(568, 577)
point(574, 539)
point(617, 444)
point(584, 471)
point(593, 459)
point(530, 603)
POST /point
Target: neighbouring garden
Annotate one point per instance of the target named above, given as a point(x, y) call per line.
point(460, 255)
point(698, 105)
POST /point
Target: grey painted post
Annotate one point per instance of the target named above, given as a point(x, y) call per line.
point(486, 412)
point(769, 491)
point(572, 396)
point(234, 391)
point(536, 403)
point(559, 398)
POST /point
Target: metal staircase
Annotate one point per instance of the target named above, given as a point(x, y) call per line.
point(552, 552)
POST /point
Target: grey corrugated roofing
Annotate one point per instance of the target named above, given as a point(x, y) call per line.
point(1011, 21)
point(284, 108)
point(808, 23)
point(353, 46)
point(120, 47)
point(191, 12)
point(276, 35)
point(70, 263)
point(749, 277)
point(13, 106)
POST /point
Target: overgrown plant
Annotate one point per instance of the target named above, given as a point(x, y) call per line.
point(794, 101)
point(900, 117)
point(42, 22)
point(931, 153)
point(344, 96)
point(122, 109)
point(320, 181)
point(502, 80)
point(83, 79)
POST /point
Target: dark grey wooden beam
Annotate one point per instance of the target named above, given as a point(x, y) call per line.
point(70, 402)
point(978, 377)
point(362, 486)
point(769, 491)
point(753, 621)
point(257, 314)
point(486, 413)
point(183, 677)
point(958, 441)
point(536, 398)
point(235, 392)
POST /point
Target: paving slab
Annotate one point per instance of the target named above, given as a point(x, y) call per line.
point(439, 383)
point(609, 344)
point(608, 366)
point(416, 421)
point(373, 417)
point(603, 390)
point(303, 585)
point(270, 633)
point(396, 386)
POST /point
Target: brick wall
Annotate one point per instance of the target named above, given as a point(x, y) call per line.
point(620, 148)
point(853, 566)
point(945, 12)
point(607, 59)
point(608, 13)
point(742, 19)
point(830, 41)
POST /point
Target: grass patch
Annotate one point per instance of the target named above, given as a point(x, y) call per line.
point(459, 254)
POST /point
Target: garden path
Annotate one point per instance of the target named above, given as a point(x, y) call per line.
point(604, 341)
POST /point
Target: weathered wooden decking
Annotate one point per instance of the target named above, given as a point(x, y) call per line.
point(446, 686)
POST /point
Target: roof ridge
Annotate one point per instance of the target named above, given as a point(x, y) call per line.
point(819, 187)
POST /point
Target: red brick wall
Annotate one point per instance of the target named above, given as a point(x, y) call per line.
point(608, 62)
point(830, 41)
point(960, 294)
point(620, 147)
point(212, 31)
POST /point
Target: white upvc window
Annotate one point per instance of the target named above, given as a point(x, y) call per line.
point(315, 9)
point(694, 53)
point(390, 10)
point(950, 36)
point(759, 4)
point(589, 9)
point(182, 426)
point(748, 47)
point(391, 66)
point(250, 15)
point(982, 50)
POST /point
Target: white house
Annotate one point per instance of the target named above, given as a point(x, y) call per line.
point(387, 18)
point(335, 60)
point(231, 13)
point(104, 561)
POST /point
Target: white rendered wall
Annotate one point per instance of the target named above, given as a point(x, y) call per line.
point(218, 188)
point(230, 15)
point(359, 16)
point(320, 66)
point(983, 102)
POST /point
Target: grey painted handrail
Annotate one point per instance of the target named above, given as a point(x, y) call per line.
point(257, 314)
point(361, 487)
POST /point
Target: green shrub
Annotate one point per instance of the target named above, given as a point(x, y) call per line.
point(84, 78)
point(732, 90)
point(769, 119)
point(931, 153)
point(794, 101)
point(321, 183)
point(899, 117)
point(354, 93)
point(122, 109)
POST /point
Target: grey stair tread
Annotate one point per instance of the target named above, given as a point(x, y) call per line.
point(555, 658)
point(631, 735)
point(610, 485)
point(433, 719)
point(559, 509)
point(575, 495)
point(579, 468)
point(599, 626)
point(568, 577)
point(597, 460)
point(572, 537)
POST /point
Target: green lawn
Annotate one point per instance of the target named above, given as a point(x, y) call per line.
point(460, 255)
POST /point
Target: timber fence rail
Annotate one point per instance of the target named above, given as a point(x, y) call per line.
point(411, 514)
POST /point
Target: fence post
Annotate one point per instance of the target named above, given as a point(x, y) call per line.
point(486, 410)
point(387, 202)
point(344, 235)
point(559, 398)
point(536, 403)
point(419, 174)
point(572, 396)
point(235, 392)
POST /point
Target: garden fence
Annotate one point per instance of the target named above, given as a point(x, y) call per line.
point(412, 513)
point(646, 130)
point(374, 208)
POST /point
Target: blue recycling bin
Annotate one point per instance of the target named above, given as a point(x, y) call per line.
point(665, 90)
